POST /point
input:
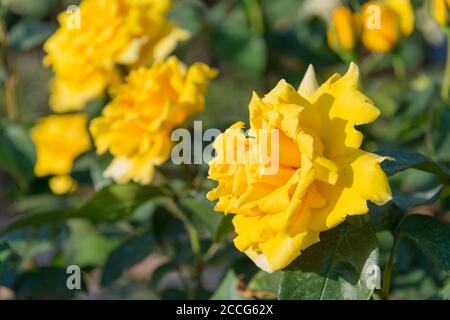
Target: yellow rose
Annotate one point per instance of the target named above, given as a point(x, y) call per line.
point(135, 126)
point(110, 32)
point(385, 22)
point(343, 29)
point(59, 140)
point(323, 174)
point(439, 11)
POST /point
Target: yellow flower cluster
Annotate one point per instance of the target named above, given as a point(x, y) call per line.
point(59, 140)
point(135, 126)
point(323, 174)
point(343, 30)
point(84, 58)
point(440, 11)
point(380, 25)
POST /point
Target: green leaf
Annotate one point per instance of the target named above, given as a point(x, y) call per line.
point(94, 108)
point(242, 49)
point(31, 242)
point(225, 227)
point(110, 204)
point(159, 273)
point(265, 285)
point(17, 153)
point(167, 228)
point(26, 35)
point(44, 283)
point(202, 215)
point(130, 252)
point(341, 266)
point(406, 159)
point(35, 8)
point(228, 288)
point(282, 12)
point(45, 202)
point(412, 53)
point(187, 16)
point(440, 134)
point(115, 202)
point(8, 272)
point(37, 219)
point(406, 201)
point(174, 294)
point(5, 253)
point(444, 293)
point(143, 214)
point(418, 101)
point(385, 217)
point(386, 95)
point(98, 165)
point(86, 247)
point(431, 235)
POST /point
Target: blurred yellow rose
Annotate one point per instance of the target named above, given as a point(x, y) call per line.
point(385, 22)
point(110, 32)
point(62, 184)
point(323, 174)
point(439, 11)
point(135, 126)
point(59, 140)
point(343, 30)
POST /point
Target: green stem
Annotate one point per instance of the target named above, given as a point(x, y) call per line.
point(255, 15)
point(12, 108)
point(173, 207)
point(388, 271)
point(190, 293)
point(188, 175)
point(446, 81)
point(399, 67)
point(212, 250)
point(10, 98)
point(195, 272)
